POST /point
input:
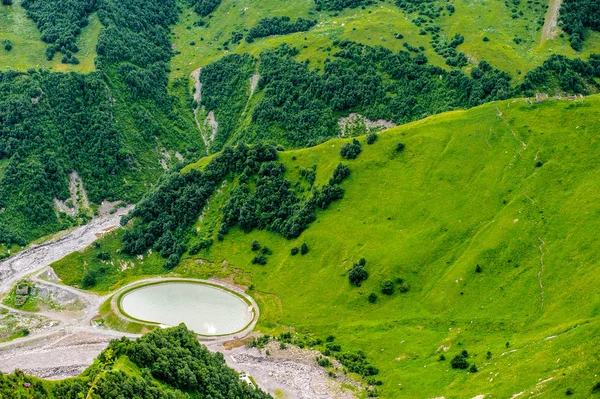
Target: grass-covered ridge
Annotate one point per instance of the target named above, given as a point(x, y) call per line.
point(489, 218)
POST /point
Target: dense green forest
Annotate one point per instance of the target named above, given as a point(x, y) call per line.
point(168, 364)
point(578, 15)
point(301, 105)
point(108, 125)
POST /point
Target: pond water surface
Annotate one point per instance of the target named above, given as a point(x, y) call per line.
point(204, 309)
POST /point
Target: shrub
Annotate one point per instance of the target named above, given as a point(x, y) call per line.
point(539, 164)
point(596, 387)
point(459, 362)
point(442, 357)
point(404, 288)
point(372, 297)
point(486, 39)
point(103, 256)
point(220, 237)
point(303, 249)
point(371, 138)
point(89, 279)
point(387, 287)
point(266, 251)
point(7, 2)
point(340, 173)
point(569, 392)
point(323, 361)
point(362, 261)
point(330, 338)
point(334, 347)
point(7, 45)
point(478, 269)
point(255, 245)
point(259, 259)
point(488, 355)
point(171, 261)
point(351, 150)
point(473, 368)
point(357, 274)
point(400, 147)
point(294, 251)
point(198, 246)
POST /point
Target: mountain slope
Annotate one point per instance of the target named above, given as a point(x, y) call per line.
point(489, 218)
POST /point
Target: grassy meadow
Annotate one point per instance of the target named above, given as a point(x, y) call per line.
point(28, 49)
point(377, 24)
point(508, 186)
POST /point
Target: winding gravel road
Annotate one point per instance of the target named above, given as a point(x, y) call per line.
point(39, 256)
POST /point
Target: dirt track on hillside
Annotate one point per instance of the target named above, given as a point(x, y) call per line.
point(550, 28)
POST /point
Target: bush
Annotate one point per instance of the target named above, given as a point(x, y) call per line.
point(351, 150)
point(539, 164)
point(371, 138)
point(340, 173)
point(442, 357)
point(596, 387)
point(171, 261)
point(486, 39)
point(387, 287)
point(569, 392)
point(372, 297)
point(400, 147)
point(404, 288)
point(357, 274)
point(198, 246)
point(334, 347)
point(7, 45)
point(259, 259)
point(294, 251)
point(459, 362)
point(330, 338)
point(7, 2)
point(103, 256)
point(89, 279)
point(266, 251)
point(255, 245)
point(303, 249)
point(473, 368)
point(478, 269)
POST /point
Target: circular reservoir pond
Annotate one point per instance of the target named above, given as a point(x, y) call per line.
point(205, 309)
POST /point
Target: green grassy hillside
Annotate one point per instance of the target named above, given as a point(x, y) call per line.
point(508, 186)
point(377, 24)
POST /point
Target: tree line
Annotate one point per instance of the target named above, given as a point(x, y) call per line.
point(278, 26)
point(171, 364)
point(578, 15)
point(301, 104)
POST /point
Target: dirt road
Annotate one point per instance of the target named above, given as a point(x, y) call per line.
point(550, 28)
point(37, 257)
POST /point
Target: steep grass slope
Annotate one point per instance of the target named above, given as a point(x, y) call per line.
point(377, 24)
point(509, 186)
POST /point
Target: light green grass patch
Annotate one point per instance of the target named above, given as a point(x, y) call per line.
point(29, 50)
